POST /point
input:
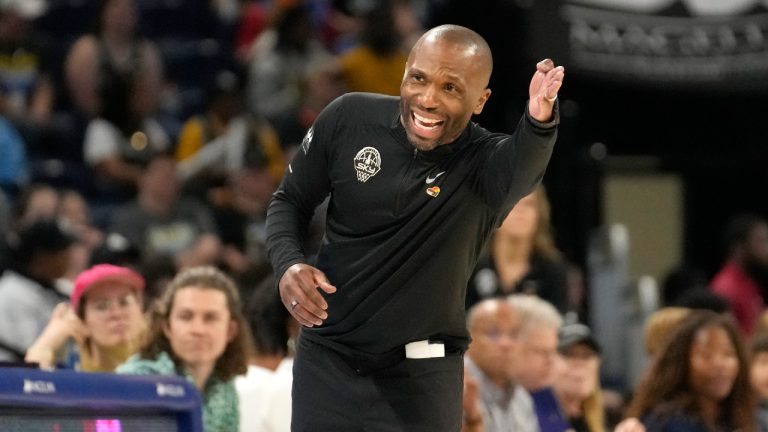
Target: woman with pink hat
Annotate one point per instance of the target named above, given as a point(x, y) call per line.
point(104, 318)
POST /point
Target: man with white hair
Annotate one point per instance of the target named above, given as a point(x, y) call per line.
point(537, 339)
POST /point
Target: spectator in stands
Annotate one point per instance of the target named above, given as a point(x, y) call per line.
point(534, 364)
point(74, 211)
point(104, 318)
point(376, 64)
point(577, 379)
point(265, 392)
point(37, 201)
point(322, 86)
point(14, 167)
point(658, 330)
point(523, 258)
point(214, 146)
point(660, 326)
point(705, 299)
point(342, 25)
point(680, 281)
point(539, 322)
point(241, 224)
point(103, 66)
point(26, 89)
point(699, 382)
point(115, 78)
point(197, 330)
point(283, 57)
point(254, 19)
point(117, 250)
point(118, 145)
point(743, 279)
point(758, 376)
point(165, 225)
point(28, 288)
point(504, 405)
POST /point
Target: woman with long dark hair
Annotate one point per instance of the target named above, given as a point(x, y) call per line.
point(699, 381)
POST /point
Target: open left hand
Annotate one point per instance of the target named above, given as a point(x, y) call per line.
point(299, 290)
point(542, 92)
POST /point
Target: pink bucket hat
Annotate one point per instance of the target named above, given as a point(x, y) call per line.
point(101, 273)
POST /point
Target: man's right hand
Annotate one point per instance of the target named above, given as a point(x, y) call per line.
point(299, 292)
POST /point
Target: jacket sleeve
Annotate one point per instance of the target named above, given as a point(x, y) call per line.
point(305, 185)
point(516, 164)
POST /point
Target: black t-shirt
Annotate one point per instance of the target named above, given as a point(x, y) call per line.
point(404, 228)
point(546, 278)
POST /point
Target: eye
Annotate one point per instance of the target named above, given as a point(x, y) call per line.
point(417, 78)
point(449, 87)
point(211, 317)
point(185, 315)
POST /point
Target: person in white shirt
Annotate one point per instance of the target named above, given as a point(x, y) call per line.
point(265, 391)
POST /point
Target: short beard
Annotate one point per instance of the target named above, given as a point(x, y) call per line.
point(424, 148)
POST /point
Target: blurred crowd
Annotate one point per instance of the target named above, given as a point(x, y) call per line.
point(141, 142)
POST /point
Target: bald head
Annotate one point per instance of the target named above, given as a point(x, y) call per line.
point(445, 83)
point(485, 309)
point(493, 325)
point(468, 41)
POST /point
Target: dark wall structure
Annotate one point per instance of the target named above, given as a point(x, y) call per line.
point(683, 83)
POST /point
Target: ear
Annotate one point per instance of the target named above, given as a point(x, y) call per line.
point(166, 329)
point(232, 330)
point(481, 102)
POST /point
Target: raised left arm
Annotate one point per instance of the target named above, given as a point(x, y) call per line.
point(542, 91)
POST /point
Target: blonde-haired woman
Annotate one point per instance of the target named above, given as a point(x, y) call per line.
point(522, 257)
point(198, 331)
point(104, 318)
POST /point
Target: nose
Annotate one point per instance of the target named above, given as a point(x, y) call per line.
point(428, 99)
point(722, 362)
point(197, 327)
point(115, 311)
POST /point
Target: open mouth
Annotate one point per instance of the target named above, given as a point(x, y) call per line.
point(426, 126)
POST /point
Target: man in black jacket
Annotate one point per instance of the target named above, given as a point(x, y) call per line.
point(415, 191)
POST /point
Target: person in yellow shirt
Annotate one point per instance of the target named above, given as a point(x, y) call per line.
point(376, 65)
point(224, 139)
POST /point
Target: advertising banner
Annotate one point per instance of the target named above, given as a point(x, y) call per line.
point(707, 44)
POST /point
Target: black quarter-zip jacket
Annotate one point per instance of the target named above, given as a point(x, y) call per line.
point(404, 228)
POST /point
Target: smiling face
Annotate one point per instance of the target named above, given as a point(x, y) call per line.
point(713, 364)
point(445, 82)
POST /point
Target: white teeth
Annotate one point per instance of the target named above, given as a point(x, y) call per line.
point(425, 122)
